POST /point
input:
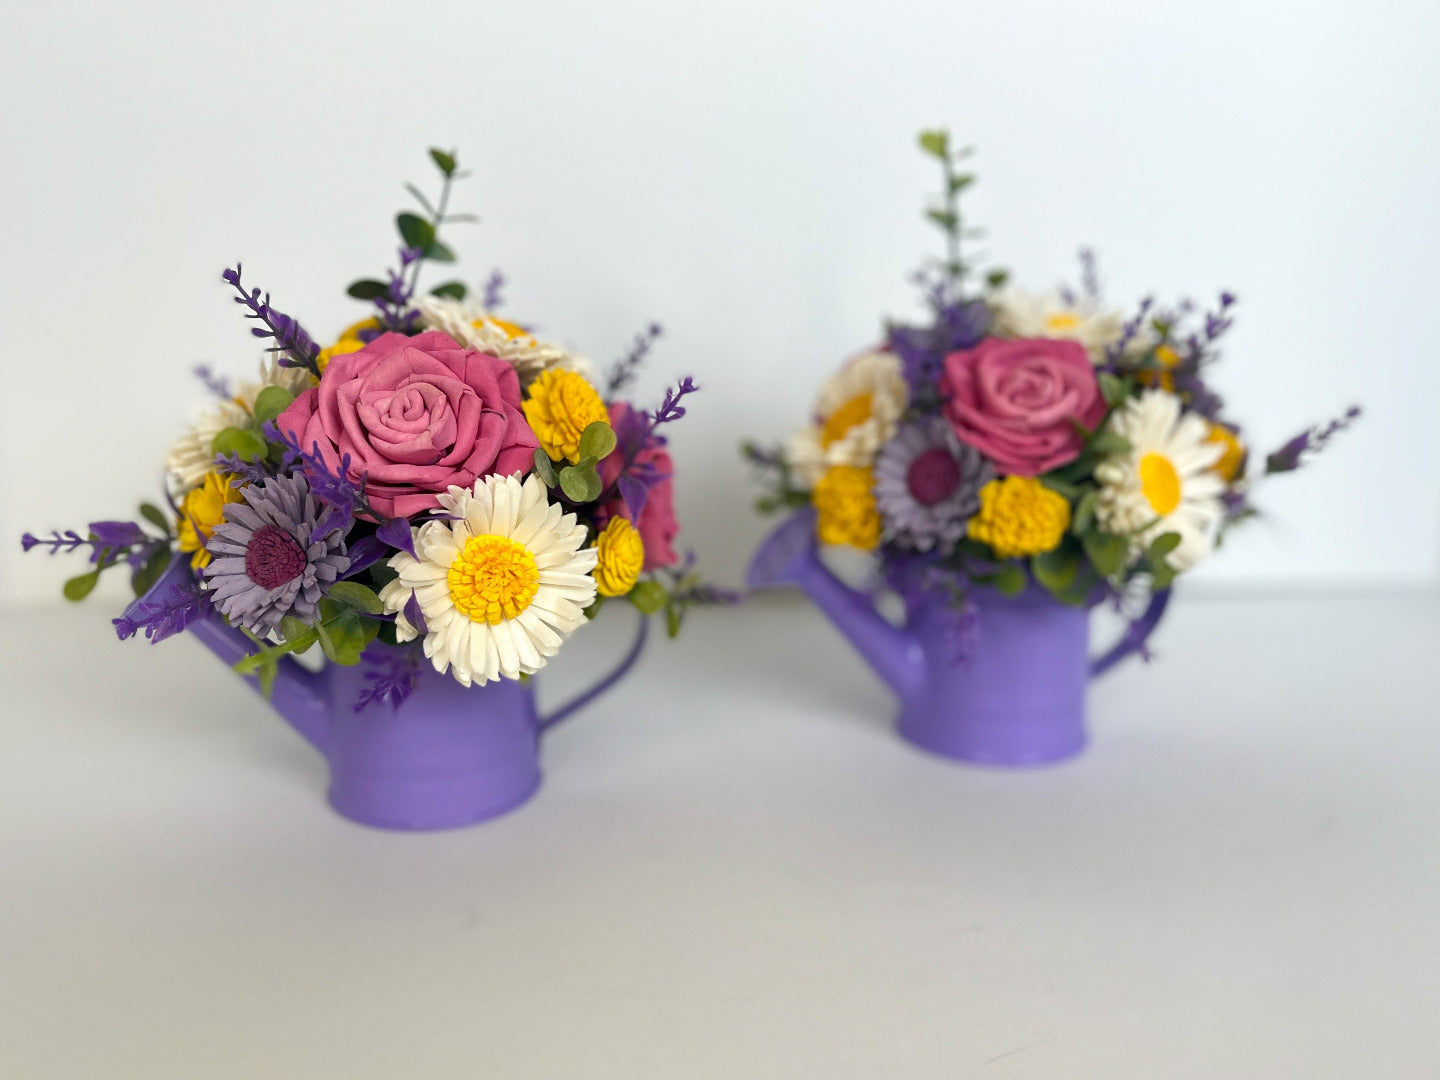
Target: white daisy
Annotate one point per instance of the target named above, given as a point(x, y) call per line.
point(191, 456)
point(475, 328)
point(1021, 314)
point(856, 414)
point(1166, 479)
point(501, 586)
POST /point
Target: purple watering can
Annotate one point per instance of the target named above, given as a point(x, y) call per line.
point(444, 757)
point(1013, 695)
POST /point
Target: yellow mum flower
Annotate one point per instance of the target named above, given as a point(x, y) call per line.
point(845, 510)
point(1020, 516)
point(560, 406)
point(1229, 464)
point(621, 558)
point(202, 510)
point(349, 342)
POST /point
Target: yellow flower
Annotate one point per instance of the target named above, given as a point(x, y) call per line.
point(202, 510)
point(1162, 375)
point(622, 557)
point(560, 407)
point(1229, 464)
point(349, 342)
point(845, 508)
point(1020, 516)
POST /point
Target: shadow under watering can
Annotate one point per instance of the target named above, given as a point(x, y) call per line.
point(1015, 694)
point(446, 756)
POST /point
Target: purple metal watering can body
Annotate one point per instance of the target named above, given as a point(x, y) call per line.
point(1011, 693)
point(446, 756)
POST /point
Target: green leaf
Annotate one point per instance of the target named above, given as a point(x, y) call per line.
point(597, 440)
point(77, 588)
point(153, 514)
point(674, 617)
point(1106, 552)
point(1055, 569)
point(1162, 546)
point(445, 162)
point(944, 218)
point(415, 230)
point(455, 290)
point(343, 637)
point(271, 402)
point(367, 289)
point(242, 442)
point(936, 143)
point(435, 251)
point(1060, 487)
point(1107, 442)
point(354, 595)
point(996, 279)
point(144, 578)
point(961, 181)
point(580, 485)
point(1162, 577)
point(648, 596)
point(1009, 580)
point(298, 635)
point(545, 468)
point(1113, 388)
point(1084, 514)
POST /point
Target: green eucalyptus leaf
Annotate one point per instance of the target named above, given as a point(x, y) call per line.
point(648, 596)
point(944, 218)
point(435, 251)
point(1084, 513)
point(597, 440)
point(996, 279)
point(545, 468)
point(77, 588)
point(245, 444)
point(415, 230)
point(443, 161)
point(271, 402)
point(1107, 442)
point(153, 514)
point(674, 617)
point(1055, 569)
point(961, 181)
point(1009, 580)
point(936, 143)
point(1162, 546)
point(354, 595)
point(455, 290)
point(367, 289)
point(1113, 388)
point(1106, 552)
point(579, 484)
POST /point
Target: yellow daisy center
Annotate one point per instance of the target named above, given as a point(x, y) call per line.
point(621, 558)
point(560, 407)
point(855, 411)
point(1062, 322)
point(493, 579)
point(1160, 483)
point(845, 508)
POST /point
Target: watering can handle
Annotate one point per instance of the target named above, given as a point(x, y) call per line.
point(586, 696)
point(1136, 634)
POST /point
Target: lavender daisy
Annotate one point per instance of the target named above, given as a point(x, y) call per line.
point(927, 485)
point(266, 559)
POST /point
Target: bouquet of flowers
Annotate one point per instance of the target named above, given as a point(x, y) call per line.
point(438, 475)
point(1017, 437)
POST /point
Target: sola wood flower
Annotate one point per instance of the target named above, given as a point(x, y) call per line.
point(501, 585)
point(267, 562)
point(857, 411)
point(927, 485)
point(1020, 516)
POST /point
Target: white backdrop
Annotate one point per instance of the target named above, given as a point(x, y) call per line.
point(746, 174)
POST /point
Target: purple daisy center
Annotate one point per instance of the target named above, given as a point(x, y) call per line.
point(933, 476)
point(273, 557)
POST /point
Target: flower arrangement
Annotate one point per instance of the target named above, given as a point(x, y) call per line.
point(438, 475)
point(1016, 438)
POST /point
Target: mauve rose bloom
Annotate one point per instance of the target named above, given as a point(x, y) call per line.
point(1014, 401)
point(657, 525)
point(416, 415)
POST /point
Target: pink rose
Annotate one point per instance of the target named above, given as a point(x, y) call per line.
point(416, 415)
point(1014, 401)
point(657, 525)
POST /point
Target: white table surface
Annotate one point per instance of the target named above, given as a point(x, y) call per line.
point(734, 870)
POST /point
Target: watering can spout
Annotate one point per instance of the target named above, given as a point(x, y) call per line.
point(298, 695)
point(789, 556)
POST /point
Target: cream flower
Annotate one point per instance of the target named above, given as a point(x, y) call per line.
point(1166, 479)
point(501, 586)
point(856, 414)
point(1021, 314)
point(475, 328)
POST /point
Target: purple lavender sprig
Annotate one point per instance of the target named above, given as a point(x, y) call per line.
point(492, 296)
point(295, 347)
point(345, 497)
point(391, 677)
point(624, 371)
point(216, 383)
point(670, 408)
point(249, 472)
point(166, 614)
point(1309, 442)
